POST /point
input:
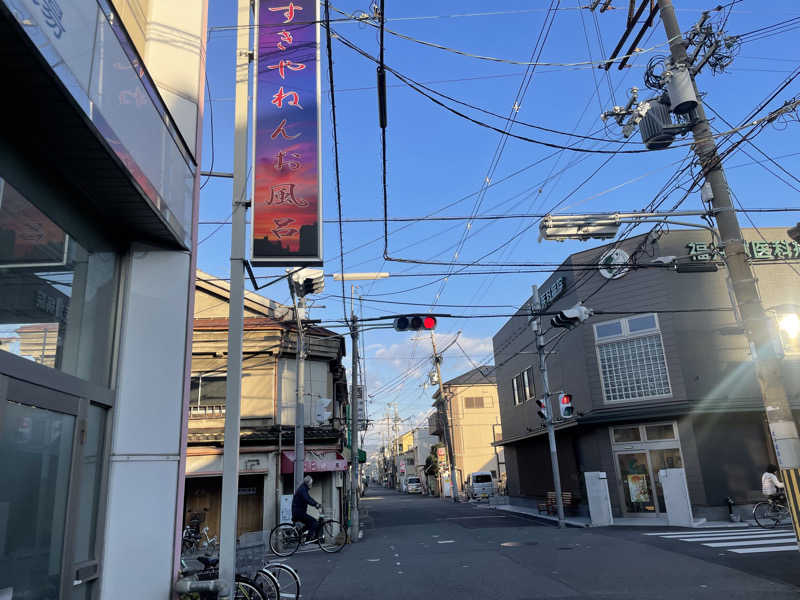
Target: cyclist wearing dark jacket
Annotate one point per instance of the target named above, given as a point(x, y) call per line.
point(302, 498)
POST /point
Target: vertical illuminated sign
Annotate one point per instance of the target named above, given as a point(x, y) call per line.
point(287, 207)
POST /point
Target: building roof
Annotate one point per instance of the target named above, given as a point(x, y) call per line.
point(484, 375)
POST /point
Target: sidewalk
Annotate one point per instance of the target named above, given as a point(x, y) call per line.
point(533, 513)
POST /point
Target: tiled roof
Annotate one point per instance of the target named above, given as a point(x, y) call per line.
point(479, 376)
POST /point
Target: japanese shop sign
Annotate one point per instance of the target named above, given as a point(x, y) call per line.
point(551, 294)
point(759, 250)
point(287, 208)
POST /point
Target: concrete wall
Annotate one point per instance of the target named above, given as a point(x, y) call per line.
point(143, 476)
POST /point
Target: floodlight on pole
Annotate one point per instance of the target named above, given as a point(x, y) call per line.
point(359, 276)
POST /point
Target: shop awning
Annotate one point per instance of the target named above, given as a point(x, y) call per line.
point(315, 461)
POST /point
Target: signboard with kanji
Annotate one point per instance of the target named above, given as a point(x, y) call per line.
point(287, 207)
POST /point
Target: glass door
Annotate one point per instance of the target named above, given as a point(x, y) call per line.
point(663, 459)
point(636, 482)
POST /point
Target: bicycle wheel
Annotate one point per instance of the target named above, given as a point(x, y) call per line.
point(333, 536)
point(284, 539)
point(245, 590)
point(288, 579)
point(268, 585)
point(767, 516)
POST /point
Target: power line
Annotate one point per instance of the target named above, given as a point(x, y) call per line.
point(335, 151)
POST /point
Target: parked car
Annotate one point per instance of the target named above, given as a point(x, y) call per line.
point(414, 485)
point(480, 485)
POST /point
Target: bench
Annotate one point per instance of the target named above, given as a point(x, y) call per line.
point(550, 506)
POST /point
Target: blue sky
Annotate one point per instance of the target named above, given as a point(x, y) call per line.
point(436, 158)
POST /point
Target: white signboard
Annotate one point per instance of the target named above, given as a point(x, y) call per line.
point(286, 508)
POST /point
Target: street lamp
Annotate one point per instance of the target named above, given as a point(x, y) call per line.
point(358, 276)
point(605, 226)
point(790, 325)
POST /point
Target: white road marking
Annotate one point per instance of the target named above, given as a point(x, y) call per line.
point(446, 542)
point(698, 532)
point(719, 538)
point(787, 539)
point(747, 541)
point(766, 549)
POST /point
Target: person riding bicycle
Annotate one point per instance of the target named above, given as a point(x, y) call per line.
point(302, 498)
point(771, 486)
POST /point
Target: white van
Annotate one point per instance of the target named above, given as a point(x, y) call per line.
point(480, 485)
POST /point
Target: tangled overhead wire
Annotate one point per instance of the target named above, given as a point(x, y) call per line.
point(654, 71)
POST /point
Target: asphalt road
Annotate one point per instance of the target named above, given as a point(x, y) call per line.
point(419, 547)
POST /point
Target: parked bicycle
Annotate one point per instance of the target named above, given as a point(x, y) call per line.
point(266, 588)
point(287, 577)
point(772, 513)
point(286, 538)
point(194, 541)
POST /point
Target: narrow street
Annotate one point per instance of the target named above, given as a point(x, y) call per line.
point(417, 547)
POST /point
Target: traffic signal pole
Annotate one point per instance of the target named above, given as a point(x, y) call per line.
point(551, 434)
point(760, 330)
point(299, 413)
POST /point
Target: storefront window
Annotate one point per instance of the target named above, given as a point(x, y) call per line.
point(626, 434)
point(57, 298)
point(35, 456)
point(659, 432)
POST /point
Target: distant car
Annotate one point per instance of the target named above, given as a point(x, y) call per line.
point(480, 485)
point(414, 485)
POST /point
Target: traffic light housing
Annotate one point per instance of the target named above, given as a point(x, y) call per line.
point(571, 317)
point(565, 405)
point(415, 323)
point(307, 281)
point(542, 412)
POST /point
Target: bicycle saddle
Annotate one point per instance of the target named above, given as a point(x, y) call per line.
point(208, 561)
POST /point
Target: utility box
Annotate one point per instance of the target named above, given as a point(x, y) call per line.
point(599, 499)
point(676, 497)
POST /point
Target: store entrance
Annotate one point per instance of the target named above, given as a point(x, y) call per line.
point(640, 453)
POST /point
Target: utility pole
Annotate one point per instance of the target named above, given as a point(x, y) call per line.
point(354, 418)
point(299, 413)
point(551, 434)
point(446, 425)
point(759, 329)
point(233, 384)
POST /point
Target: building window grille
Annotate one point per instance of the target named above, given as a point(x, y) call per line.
point(631, 359)
point(473, 402)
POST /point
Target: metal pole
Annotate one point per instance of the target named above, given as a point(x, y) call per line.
point(448, 435)
point(354, 417)
point(551, 434)
point(759, 329)
point(233, 385)
point(299, 413)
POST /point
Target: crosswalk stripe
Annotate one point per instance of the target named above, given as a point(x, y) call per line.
point(717, 538)
point(744, 532)
point(765, 549)
point(674, 534)
point(789, 539)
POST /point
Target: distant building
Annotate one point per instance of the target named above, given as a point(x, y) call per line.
point(266, 454)
point(664, 379)
point(470, 409)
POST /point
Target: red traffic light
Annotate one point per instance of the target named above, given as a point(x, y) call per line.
point(565, 406)
point(415, 323)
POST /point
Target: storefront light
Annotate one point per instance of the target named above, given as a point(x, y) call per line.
point(790, 325)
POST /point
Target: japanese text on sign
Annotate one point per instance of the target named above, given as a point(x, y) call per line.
point(286, 207)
